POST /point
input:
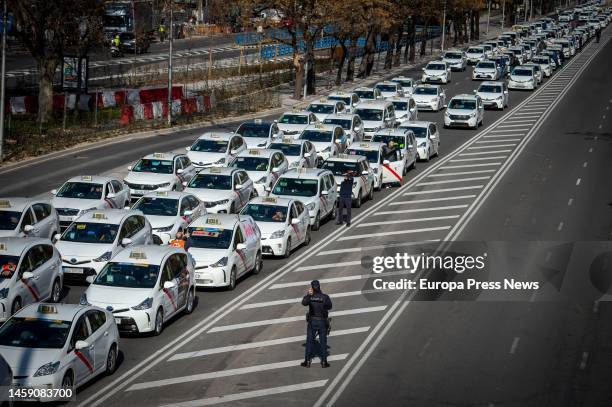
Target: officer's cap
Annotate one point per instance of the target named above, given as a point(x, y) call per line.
point(315, 284)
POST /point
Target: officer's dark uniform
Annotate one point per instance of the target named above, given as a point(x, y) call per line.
point(318, 306)
point(345, 200)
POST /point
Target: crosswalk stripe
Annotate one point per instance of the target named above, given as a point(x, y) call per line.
point(341, 279)
point(378, 247)
point(488, 152)
point(434, 191)
point(491, 146)
point(250, 394)
point(395, 232)
point(452, 181)
point(284, 320)
point(446, 167)
point(420, 201)
point(397, 221)
point(448, 174)
point(327, 266)
point(437, 208)
point(478, 159)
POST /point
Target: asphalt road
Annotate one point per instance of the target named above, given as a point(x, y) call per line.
point(245, 346)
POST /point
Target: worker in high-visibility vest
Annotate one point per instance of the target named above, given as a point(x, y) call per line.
point(116, 40)
point(179, 240)
point(162, 32)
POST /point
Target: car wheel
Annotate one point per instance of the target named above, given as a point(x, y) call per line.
point(159, 322)
point(67, 381)
point(111, 360)
point(308, 237)
point(56, 291)
point(317, 222)
point(358, 201)
point(232, 282)
point(16, 305)
point(258, 264)
point(287, 249)
point(190, 301)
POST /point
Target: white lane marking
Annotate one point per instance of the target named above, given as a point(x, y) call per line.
point(560, 226)
point(420, 201)
point(259, 344)
point(578, 181)
point(396, 232)
point(375, 248)
point(285, 320)
point(478, 159)
point(485, 152)
point(583, 361)
point(533, 109)
point(491, 146)
point(595, 307)
point(518, 120)
point(591, 150)
point(327, 266)
point(584, 165)
point(436, 208)
point(340, 279)
point(514, 345)
point(505, 135)
point(570, 202)
point(522, 115)
point(498, 141)
point(469, 166)
point(434, 191)
point(451, 181)
point(448, 174)
point(505, 126)
point(397, 221)
point(250, 394)
point(424, 349)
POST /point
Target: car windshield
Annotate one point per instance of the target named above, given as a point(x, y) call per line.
point(486, 65)
point(9, 220)
point(522, 72)
point(8, 265)
point(399, 141)
point(345, 123)
point(341, 167)
point(288, 149)
point(464, 104)
point(418, 131)
point(82, 232)
point(251, 163)
point(209, 238)
point(516, 51)
point(155, 166)
point(80, 190)
point(345, 99)
point(370, 114)
point(406, 83)
point(296, 187)
point(316, 136)
point(365, 94)
point(211, 181)
point(294, 119)
point(400, 105)
point(475, 51)
point(155, 206)
point(490, 89)
point(436, 67)
point(266, 213)
point(249, 130)
point(370, 155)
point(128, 275)
point(320, 108)
point(426, 91)
point(34, 333)
point(452, 55)
point(387, 88)
point(210, 146)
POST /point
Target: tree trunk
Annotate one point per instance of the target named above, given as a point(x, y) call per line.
point(412, 39)
point(455, 33)
point(390, 50)
point(368, 54)
point(477, 24)
point(46, 69)
point(398, 45)
point(350, 68)
point(310, 73)
point(297, 90)
point(341, 59)
point(472, 30)
point(424, 38)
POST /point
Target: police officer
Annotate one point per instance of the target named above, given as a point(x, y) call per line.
point(318, 306)
point(162, 31)
point(346, 199)
point(116, 40)
point(598, 33)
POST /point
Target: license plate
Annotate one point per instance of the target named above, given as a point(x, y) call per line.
point(199, 275)
point(137, 192)
point(72, 270)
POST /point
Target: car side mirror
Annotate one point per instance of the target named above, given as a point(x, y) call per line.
point(307, 155)
point(188, 148)
point(365, 172)
point(324, 192)
point(233, 151)
point(180, 171)
point(184, 183)
point(129, 168)
point(267, 189)
point(54, 192)
point(169, 284)
point(28, 229)
point(111, 195)
point(475, 91)
point(57, 237)
point(295, 221)
point(126, 241)
point(386, 162)
point(27, 274)
point(90, 279)
point(238, 187)
point(79, 345)
point(505, 92)
point(188, 213)
point(275, 169)
point(241, 246)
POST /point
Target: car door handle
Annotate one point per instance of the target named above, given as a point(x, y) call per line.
point(106, 333)
point(91, 348)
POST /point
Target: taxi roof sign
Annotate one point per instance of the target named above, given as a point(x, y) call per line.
point(364, 145)
point(270, 199)
point(257, 121)
point(212, 221)
point(215, 169)
point(4, 203)
point(287, 140)
point(213, 135)
point(343, 156)
point(161, 193)
point(295, 109)
point(138, 255)
point(47, 309)
point(98, 215)
point(254, 151)
point(2, 247)
point(159, 155)
point(86, 178)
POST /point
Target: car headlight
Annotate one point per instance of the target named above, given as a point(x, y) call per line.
point(310, 206)
point(446, 113)
point(473, 114)
point(262, 144)
point(4, 293)
point(164, 185)
point(278, 234)
point(434, 100)
point(221, 202)
point(165, 228)
point(221, 263)
point(375, 170)
point(47, 369)
point(294, 164)
point(354, 184)
point(423, 144)
point(83, 300)
point(146, 304)
point(500, 97)
point(221, 161)
point(105, 257)
point(327, 149)
point(262, 180)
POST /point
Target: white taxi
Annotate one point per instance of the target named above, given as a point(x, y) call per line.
point(493, 94)
point(350, 99)
point(429, 97)
point(299, 153)
point(464, 111)
point(86, 193)
point(390, 89)
point(159, 172)
point(387, 170)
point(95, 237)
point(258, 134)
point(367, 94)
point(406, 82)
point(316, 188)
point(263, 166)
point(427, 138)
point(30, 271)
point(405, 108)
point(223, 190)
point(405, 146)
point(215, 149)
point(523, 78)
point(27, 217)
point(351, 123)
point(325, 107)
point(294, 122)
point(169, 212)
point(436, 71)
point(456, 59)
point(59, 346)
point(224, 247)
point(474, 55)
point(486, 70)
point(144, 287)
point(329, 140)
point(284, 224)
point(363, 176)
